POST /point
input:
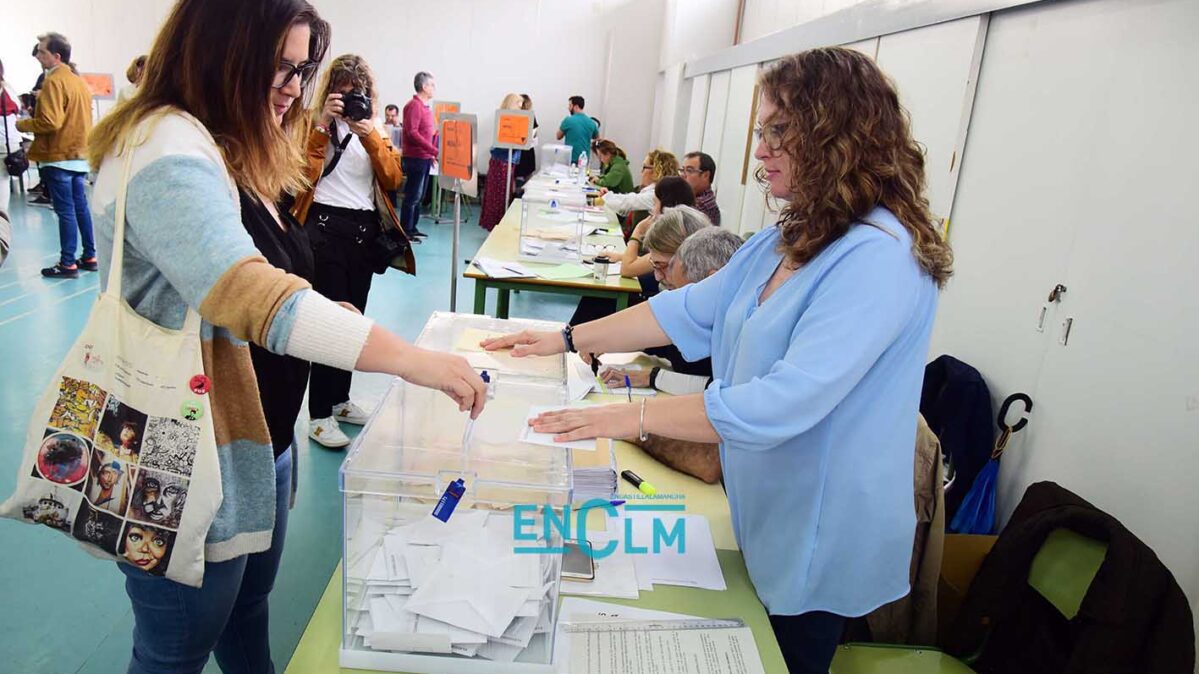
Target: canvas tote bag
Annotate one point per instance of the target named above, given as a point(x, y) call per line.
point(121, 453)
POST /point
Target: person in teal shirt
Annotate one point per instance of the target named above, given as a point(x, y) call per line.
point(818, 329)
point(577, 129)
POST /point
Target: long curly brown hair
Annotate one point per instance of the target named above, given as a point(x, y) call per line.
point(840, 124)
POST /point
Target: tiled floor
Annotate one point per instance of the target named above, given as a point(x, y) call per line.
point(66, 612)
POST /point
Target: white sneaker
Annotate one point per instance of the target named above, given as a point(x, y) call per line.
point(349, 413)
point(327, 432)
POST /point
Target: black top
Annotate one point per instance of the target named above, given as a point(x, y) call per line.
point(282, 380)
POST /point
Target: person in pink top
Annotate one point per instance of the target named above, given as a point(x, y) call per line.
point(419, 149)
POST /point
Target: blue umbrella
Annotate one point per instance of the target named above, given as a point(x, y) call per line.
point(976, 515)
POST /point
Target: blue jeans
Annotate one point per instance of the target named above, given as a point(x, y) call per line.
point(176, 627)
point(416, 174)
point(70, 203)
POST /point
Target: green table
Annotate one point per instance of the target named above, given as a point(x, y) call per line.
point(503, 245)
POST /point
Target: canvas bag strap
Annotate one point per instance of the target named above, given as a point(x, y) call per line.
point(191, 324)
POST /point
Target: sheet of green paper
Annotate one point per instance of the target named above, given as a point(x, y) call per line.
point(563, 271)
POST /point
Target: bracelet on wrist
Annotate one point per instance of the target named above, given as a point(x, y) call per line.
point(641, 434)
point(653, 377)
point(322, 128)
point(569, 338)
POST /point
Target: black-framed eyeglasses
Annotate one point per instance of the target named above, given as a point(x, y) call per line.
point(646, 167)
point(772, 134)
point(287, 71)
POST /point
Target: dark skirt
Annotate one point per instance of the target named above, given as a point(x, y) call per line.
point(494, 205)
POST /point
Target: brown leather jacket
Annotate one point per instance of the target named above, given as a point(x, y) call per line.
point(385, 159)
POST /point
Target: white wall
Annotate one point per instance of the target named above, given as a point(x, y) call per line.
point(105, 35)
point(763, 17)
point(604, 50)
point(690, 28)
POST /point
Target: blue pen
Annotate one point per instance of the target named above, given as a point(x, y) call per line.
point(628, 387)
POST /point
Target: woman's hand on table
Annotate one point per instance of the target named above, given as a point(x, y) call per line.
point(614, 377)
point(450, 374)
point(527, 343)
point(583, 423)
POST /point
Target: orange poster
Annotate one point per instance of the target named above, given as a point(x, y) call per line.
point(457, 149)
point(443, 107)
point(513, 129)
point(100, 84)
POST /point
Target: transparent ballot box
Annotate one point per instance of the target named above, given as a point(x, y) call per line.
point(555, 158)
point(551, 233)
point(465, 594)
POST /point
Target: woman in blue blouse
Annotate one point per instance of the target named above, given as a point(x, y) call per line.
point(818, 331)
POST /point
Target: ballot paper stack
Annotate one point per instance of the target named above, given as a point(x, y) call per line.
point(453, 588)
point(594, 473)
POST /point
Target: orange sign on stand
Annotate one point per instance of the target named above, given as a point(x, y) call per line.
point(457, 146)
point(444, 108)
point(100, 84)
point(513, 129)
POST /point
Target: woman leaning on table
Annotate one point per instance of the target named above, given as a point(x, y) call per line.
point(818, 330)
point(209, 123)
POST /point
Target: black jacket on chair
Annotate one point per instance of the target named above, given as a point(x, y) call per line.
point(956, 404)
point(1134, 618)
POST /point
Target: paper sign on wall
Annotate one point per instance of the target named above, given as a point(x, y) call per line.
point(100, 84)
point(457, 155)
point(513, 129)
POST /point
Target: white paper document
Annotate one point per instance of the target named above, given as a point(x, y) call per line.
point(547, 439)
point(615, 574)
point(501, 269)
point(697, 566)
point(729, 650)
point(576, 609)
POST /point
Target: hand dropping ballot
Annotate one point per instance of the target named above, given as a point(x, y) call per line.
point(455, 490)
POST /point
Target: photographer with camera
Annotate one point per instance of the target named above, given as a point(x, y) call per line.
point(352, 223)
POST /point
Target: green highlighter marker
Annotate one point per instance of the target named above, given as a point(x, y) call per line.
point(641, 485)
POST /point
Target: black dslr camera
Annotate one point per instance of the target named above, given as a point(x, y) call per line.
point(356, 105)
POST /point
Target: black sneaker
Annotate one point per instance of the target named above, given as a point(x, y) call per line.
point(88, 265)
point(417, 234)
point(41, 200)
point(59, 271)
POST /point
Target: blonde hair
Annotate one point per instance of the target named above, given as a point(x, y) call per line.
point(664, 164)
point(345, 69)
point(673, 227)
point(513, 102)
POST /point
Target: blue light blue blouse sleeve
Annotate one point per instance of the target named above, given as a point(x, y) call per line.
point(856, 311)
point(686, 315)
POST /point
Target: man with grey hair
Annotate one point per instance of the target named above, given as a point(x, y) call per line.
point(418, 150)
point(700, 255)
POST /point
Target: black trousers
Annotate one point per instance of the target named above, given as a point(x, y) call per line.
point(809, 640)
point(343, 274)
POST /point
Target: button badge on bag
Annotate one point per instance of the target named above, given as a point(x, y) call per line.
point(200, 384)
point(191, 410)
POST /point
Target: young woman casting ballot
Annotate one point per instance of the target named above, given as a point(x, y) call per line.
point(207, 123)
point(818, 330)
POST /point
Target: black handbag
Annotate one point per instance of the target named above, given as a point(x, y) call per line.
point(389, 247)
point(16, 163)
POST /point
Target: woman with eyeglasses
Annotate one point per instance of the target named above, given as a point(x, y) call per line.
point(352, 166)
point(657, 165)
point(216, 137)
point(818, 330)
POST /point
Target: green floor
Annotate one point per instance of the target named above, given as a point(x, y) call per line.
point(66, 612)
